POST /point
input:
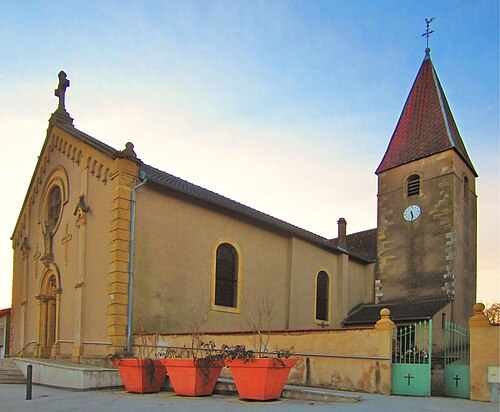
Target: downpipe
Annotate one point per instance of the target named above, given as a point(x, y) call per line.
point(142, 175)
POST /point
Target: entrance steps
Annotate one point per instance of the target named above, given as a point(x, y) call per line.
point(67, 375)
point(226, 386)
point(10, 373)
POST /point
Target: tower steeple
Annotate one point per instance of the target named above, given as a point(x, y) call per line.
point(426, 125)
point(426, 204)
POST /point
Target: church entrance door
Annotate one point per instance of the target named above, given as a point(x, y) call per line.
point(48, 302)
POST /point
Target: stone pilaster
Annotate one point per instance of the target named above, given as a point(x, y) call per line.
point(124, 179)
point(25, 248)
point(343, 273)
point(81, 211)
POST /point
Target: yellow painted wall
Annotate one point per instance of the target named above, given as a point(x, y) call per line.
point(174, 250)
point(307, 261)
point(174, 257)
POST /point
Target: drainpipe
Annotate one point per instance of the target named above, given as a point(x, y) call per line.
point(142, 175)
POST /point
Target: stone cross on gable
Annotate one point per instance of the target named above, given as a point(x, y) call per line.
point(61, 89)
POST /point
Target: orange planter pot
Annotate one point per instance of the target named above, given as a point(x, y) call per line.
point(137, 378)
point(260, 379)
point(190, 378)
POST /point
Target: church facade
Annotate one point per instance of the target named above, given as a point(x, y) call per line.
point(106, 245)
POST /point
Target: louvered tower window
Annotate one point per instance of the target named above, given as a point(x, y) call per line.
point(466, 188)
point(322, 293)
point(226, 276)
point(414, 185)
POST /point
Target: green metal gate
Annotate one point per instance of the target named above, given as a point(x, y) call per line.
point(456, 361)
point(411, 359)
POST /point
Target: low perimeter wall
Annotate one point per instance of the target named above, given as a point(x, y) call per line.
point(352, 359)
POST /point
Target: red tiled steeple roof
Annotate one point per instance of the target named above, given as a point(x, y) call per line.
point(426, 125)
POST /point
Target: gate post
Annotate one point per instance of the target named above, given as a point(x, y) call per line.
point(386, 326)
point(484, 352)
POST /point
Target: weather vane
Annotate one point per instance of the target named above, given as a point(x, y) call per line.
point(428, 32)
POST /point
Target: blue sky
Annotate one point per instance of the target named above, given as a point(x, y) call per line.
point(286, 106)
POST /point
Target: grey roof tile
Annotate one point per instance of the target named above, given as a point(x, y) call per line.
point(362, 244)
point(181, 186)
point(401, 311)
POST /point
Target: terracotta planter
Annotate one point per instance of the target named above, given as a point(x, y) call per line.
point(137, 378)
point(189, 377)
point(260, 379)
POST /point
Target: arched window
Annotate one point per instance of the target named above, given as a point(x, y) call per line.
point(466, 188)
point(53, 207)
point(226, 276)
point(322, 295)
point(413, 187)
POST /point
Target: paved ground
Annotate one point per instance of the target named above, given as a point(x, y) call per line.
point(12, 399)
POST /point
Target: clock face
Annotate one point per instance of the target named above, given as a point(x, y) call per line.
point(411, 213)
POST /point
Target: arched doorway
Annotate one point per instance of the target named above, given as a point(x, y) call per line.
point(48, 305)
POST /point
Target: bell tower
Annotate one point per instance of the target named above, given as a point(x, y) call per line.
point(427, 215)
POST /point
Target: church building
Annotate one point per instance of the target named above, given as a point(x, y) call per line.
point(427, 214)
point(106, 245)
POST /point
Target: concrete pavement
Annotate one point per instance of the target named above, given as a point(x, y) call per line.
point(12, 399)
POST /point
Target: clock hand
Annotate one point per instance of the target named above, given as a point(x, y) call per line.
point(411, 213)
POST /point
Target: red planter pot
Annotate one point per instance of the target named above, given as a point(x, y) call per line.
point(137, 378)
point(260, 379)
point(189, 376)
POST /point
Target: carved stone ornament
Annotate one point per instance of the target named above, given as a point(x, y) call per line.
point(47, 257)
point(25, 247)
point(128, 153)
point(129, 150)
point(81, 211)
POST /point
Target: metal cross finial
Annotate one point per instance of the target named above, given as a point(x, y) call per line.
point(61, 89)
point(428, 32)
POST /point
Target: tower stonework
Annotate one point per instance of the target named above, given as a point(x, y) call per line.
point(427, 215)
